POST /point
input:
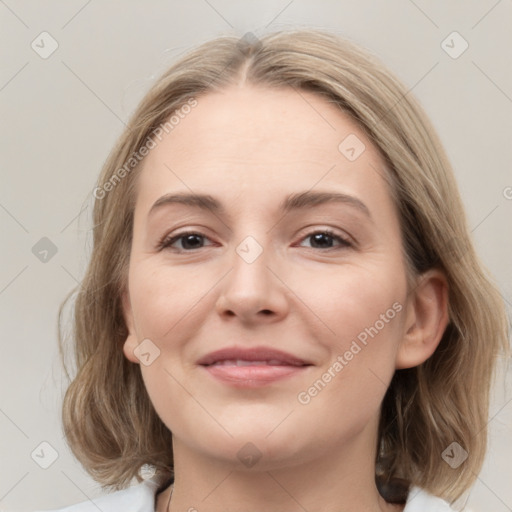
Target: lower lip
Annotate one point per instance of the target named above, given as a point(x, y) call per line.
point(253, 376)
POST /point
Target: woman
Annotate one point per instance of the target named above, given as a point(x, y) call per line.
point(283, 308)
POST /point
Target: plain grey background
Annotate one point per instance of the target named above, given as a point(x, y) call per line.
point(62, 112)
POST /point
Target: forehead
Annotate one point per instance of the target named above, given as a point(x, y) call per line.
point(248, 141)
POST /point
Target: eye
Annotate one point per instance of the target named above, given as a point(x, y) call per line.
point(323, 239)
point(189, 240)
point(192, 240)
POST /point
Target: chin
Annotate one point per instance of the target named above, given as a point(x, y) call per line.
point(256, 448)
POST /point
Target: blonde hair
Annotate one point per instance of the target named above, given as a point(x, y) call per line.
point(109, 421)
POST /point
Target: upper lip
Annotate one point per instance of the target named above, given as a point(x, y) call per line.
point(251, 354)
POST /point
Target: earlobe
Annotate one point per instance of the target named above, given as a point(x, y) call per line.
point(426, 320)
point(129, 346)
point(131, 342)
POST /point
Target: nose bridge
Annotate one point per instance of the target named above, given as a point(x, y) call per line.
point(251, 287)
point(250, 274)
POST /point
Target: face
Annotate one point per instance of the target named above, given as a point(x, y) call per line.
point(305, 295)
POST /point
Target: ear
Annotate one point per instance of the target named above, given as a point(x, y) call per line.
point(426, 319)
point(131, 341)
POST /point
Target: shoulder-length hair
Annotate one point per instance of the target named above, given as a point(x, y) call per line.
point(109, 421)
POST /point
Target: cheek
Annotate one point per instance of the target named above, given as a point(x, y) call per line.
point(164, 298)
point(349, 300)
point(353, 381)
point(363, 308)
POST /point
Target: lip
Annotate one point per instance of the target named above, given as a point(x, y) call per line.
point(275, 365)
point(251, 354)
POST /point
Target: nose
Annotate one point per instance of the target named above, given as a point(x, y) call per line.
point(253, 290)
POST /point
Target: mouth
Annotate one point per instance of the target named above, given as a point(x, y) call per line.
point(244, 362)
point(256, 356)
point(254, 367)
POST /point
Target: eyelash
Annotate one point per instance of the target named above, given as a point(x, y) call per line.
point(167, 241)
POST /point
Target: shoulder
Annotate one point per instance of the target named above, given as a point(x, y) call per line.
point(420, 500)
point(138, 498)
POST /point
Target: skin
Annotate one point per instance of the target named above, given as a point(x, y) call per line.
point(250, 147)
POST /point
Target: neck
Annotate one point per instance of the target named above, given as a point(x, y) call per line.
point(341, 480)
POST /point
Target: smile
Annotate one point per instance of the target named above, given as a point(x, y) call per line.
point(251, 374)
point(242, 362)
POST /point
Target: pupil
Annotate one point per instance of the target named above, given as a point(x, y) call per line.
point(319, 236)
point(187, 239)
point(321, 239)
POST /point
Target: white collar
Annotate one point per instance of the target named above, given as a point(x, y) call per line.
point(141, 498)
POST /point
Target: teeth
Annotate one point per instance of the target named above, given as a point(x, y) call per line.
point(242, 362)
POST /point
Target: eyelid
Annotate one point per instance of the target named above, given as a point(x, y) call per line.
point(167, 240)
point(345, 240)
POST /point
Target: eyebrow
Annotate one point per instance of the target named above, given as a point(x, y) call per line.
point(297, 201)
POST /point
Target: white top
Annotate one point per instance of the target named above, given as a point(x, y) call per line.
point(141, 498)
